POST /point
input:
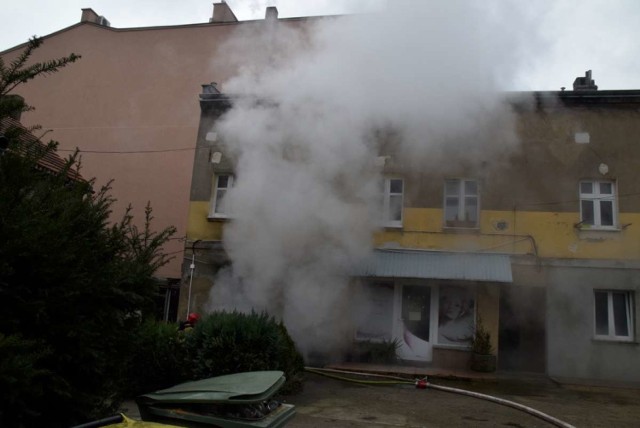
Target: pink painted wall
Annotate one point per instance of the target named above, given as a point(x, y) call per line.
point(133, 89)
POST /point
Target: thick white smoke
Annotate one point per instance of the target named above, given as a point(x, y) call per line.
point(306, 195)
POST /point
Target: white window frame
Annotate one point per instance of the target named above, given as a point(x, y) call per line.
point(611, 335)
point(596, 197)
point(461, 197)
point(386, 210)
point(214, 196)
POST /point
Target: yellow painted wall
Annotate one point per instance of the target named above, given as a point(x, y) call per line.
point(488, 309)
point(199, 227)
point(554, 235)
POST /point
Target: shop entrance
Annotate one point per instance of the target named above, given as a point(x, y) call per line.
point(415, 305)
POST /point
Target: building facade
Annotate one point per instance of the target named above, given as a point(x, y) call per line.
point(539, 242)
point(542, 243)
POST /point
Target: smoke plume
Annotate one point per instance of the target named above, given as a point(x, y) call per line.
point(317, 103)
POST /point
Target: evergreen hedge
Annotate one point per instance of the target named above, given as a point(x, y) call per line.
point(221, 343)
point(158, 360)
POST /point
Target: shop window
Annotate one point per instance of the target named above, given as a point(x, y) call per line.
point(374, 312)
point(456, 309)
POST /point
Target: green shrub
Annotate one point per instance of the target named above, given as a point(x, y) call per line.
point(232, 342)
point(481, 342)
point(158, 361)
point(22, 380)
point(292, 362)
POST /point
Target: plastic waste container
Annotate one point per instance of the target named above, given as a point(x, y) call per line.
point(231, 401)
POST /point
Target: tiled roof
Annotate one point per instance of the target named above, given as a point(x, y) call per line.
point(51, 161)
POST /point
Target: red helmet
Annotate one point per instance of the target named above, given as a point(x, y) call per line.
point(193, 318)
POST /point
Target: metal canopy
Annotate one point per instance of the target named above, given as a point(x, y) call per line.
point(437, 265)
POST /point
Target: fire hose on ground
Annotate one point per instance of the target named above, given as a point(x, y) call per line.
point(423, 384)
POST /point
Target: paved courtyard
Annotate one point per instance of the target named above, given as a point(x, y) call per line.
point(333, 403)
point(328, 402)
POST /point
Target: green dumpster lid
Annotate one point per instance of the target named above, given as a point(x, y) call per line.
point(248, 387)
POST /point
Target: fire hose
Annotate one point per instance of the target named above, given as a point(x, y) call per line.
point(423, 384)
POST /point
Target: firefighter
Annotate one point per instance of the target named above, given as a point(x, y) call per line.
point(191, 321)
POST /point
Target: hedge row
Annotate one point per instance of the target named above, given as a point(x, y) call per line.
point(221, 343)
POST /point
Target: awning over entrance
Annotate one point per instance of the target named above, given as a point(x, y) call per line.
point(437, 265)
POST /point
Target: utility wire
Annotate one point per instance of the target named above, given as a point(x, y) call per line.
point(73, 128)
point(133, 151)
point(174, 252)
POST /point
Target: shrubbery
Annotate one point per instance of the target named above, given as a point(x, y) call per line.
point(221, 343)
point(22, 382)
point(158, 359)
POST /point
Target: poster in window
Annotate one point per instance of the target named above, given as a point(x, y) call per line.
point(456, 315)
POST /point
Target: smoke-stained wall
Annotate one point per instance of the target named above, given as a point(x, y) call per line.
point(318, 119)
point(573, 351)
point(312, 113)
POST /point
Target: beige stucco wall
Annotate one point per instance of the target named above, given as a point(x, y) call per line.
point(133, 90)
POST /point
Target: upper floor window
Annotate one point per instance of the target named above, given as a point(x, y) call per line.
point(461, 203)
point(614, 315)
point(393, 200)
point(219, 203)
point(598, 204)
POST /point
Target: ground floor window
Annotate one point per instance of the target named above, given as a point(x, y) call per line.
point(456, 315)
point(613, 315)
point(374, 312)
point(167, 299)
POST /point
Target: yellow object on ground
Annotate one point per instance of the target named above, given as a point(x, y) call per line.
point(132, 423)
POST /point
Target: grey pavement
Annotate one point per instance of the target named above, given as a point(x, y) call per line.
point(328, 402)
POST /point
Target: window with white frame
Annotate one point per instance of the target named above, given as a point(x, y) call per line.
point(598, 204)
point(614, 315)
point(393, 200)
point(461, 203)
point(219, 203)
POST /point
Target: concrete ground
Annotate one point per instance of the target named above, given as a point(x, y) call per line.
point(329, 402)
point(332, 403)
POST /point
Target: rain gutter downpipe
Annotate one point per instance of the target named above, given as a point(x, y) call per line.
point(192, 267)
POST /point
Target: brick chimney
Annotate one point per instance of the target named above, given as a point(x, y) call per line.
point(222, 13)
point(88, 15)
point(271, 14)
point(585, 83)
point(210, 88)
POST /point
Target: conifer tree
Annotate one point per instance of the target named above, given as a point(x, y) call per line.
point(74, 284)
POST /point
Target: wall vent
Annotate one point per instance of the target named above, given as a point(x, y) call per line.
point(582, 137)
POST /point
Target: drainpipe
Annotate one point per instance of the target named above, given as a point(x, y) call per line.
point(192, 267)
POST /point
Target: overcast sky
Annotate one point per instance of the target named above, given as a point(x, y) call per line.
point(602, 35)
